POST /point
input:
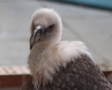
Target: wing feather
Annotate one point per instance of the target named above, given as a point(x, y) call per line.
point(83, 74)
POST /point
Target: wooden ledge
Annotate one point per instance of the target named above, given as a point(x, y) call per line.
point(13, 76)
point(14, 70)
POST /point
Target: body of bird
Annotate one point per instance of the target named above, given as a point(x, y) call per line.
point(60, 65)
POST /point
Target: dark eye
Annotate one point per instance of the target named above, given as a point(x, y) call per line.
point(49, 29)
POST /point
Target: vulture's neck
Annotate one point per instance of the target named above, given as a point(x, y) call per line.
point(44, 61)
point(39, 62)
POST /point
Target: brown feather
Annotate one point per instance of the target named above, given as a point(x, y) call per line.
point(82, 74)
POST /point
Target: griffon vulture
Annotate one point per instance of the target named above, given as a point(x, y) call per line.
point(59, 65)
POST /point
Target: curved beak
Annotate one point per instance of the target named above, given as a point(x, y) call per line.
point(36, 35)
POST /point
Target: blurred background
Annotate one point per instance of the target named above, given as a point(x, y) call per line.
point(88, 22)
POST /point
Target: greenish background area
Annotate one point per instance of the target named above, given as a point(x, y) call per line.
point(107, 4)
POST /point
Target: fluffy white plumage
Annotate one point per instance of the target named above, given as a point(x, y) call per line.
point(46, 56)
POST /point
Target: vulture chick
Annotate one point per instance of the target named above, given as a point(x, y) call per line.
point(59, 65)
